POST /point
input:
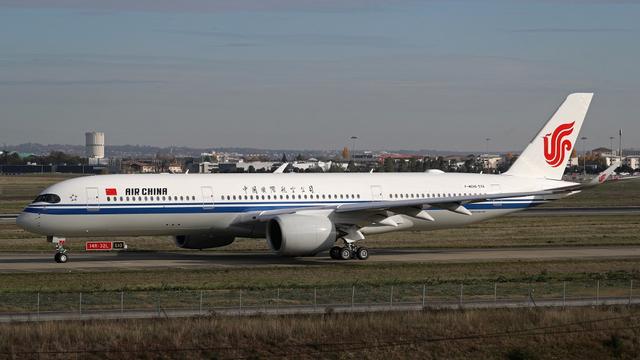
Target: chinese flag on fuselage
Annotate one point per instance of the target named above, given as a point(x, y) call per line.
point(111, 191)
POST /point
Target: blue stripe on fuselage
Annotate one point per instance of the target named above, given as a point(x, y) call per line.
point(226, 208)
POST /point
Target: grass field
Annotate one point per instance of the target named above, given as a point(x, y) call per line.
point(586, 333)
point(337, 275)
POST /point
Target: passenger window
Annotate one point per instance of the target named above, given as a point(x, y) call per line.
point(108, 198)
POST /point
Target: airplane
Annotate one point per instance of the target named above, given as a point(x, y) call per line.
point(306, 214)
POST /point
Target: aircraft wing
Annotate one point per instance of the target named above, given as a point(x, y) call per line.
point(412, 207)
point(281, 169)
point(603, 176)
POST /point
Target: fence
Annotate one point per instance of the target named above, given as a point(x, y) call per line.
point(288, 300)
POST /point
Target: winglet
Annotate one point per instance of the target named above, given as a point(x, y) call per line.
point(281, 169)
point(603, 176)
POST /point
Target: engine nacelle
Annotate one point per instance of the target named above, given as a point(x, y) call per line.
point(300, 235)
point(202, 241)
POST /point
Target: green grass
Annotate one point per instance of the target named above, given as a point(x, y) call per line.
point(612, 193)
point(18, 191)
point(330, 275)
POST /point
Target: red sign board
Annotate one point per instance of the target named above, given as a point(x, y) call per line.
point(98, 246)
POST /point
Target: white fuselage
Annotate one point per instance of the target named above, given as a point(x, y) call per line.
point(179, 204)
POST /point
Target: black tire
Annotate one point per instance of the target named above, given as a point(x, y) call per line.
point(362, 253)
point(345, 254)
point(56, 257)
point(335, 252)
point(63, 258)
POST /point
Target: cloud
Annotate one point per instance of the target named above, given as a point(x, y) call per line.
point(203, 5)
point(571, 30)
point(248, 39)
point(77, 82)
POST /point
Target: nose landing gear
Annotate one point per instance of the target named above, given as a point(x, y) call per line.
point(61, 252)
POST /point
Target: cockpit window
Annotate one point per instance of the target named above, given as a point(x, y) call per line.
point(48, 198)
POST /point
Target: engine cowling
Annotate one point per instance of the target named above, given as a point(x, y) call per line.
point(202, 241)
point(300, 235)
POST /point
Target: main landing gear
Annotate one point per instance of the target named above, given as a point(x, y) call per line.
point(348, 252)
point(61, 252)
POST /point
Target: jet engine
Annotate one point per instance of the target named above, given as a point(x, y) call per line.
point(300, 235)
point(202, 241)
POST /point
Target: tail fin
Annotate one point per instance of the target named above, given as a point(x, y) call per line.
point(548, 153)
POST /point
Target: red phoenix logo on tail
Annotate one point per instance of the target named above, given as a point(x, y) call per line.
point(555, 148)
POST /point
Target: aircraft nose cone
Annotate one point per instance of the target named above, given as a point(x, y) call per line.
point(26, 221)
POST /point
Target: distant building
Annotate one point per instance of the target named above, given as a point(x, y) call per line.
point(138, 167)
point(490, 161)
point(175, 168)
point(631, 158)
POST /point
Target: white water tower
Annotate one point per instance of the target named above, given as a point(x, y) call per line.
point(95, 145)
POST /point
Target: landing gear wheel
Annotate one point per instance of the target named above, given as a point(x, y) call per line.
point(61, 258)
point(61, 253)
point(345, 254)
point(362, 253)
point(335, 252)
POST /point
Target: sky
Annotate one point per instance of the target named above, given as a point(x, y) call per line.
point(304, 74)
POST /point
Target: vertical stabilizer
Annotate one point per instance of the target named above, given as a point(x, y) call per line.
point(548, 153)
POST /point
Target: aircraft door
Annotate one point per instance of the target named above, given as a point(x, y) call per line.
point(93, 199)
point(207, 197)
point(376, 192)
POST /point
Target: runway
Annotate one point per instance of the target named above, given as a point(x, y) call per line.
point(82, 261)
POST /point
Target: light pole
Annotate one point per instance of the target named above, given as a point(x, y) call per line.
point(487, 145)
point(611, 144)
point(353, 145)
point(584, 154)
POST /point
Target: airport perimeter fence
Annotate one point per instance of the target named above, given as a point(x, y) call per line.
point(358, 297)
